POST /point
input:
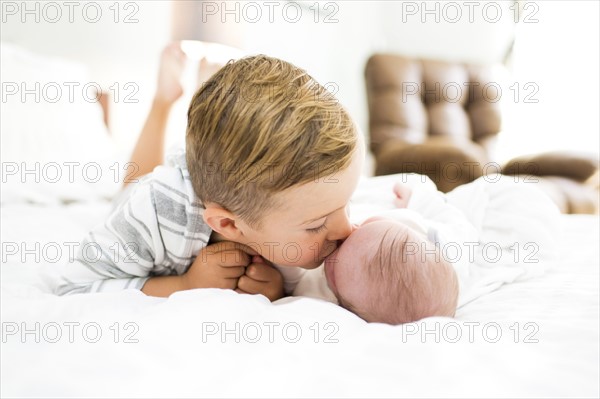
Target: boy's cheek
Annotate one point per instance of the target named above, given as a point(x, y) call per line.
point(307, 254)
point(307, 259)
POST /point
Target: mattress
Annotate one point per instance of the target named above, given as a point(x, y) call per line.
point(532, 338)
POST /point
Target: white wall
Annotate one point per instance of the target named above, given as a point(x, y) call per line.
point(120, 47)
point(559, 57)
point(336, 52)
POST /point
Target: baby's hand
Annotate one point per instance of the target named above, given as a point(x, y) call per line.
point(261, 278)
point(172, 62)
point(219, 265)
point(403, 193)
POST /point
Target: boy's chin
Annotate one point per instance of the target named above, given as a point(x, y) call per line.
point(308, 266)
point(313, 266)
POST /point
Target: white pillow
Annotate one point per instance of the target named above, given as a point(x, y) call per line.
point(53, 139)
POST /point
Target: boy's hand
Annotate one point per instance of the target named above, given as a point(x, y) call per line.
point(219, 265)
point(261, 278)
point(403, 193)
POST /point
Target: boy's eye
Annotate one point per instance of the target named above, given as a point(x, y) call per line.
point(317, 229)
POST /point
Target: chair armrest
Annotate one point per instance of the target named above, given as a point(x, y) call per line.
point(576, 166)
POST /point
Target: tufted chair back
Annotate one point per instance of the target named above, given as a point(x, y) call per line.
point(425, 115)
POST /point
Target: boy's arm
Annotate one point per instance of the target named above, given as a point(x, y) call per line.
point(222, 265)
point(157, 230)
point(122, 252)
point(163, 286)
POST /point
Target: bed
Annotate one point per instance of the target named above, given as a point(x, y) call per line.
point(533, 338)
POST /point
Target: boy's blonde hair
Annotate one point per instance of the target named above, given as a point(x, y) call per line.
point(261, 125)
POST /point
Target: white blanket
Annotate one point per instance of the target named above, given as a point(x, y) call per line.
point(532, 338)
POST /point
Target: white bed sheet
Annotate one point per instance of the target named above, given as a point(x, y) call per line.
point(176, 356)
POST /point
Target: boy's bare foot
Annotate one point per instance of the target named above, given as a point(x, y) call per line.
point(172, 62)
point(210, 57)
point(206, 69)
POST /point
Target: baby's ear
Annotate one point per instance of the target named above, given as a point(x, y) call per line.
point(222, 221)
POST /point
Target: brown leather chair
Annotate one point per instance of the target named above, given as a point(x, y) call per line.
point(441, 119)
point(571, 179)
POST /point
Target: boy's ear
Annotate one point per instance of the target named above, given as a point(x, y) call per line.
point(222, 221)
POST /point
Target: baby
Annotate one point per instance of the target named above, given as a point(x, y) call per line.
point(407, 264)
point(388, 270)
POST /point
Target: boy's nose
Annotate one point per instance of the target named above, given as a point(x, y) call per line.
point(353, 227)
point(342, 228)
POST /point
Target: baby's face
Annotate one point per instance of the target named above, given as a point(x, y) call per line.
point(346, 269)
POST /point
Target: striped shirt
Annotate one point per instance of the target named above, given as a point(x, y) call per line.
point(156, 230)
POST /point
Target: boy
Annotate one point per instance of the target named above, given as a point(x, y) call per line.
point(270, 164)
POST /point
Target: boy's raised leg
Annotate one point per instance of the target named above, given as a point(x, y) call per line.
point(149, 149)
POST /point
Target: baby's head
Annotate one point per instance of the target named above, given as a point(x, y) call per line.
point(387, 272)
